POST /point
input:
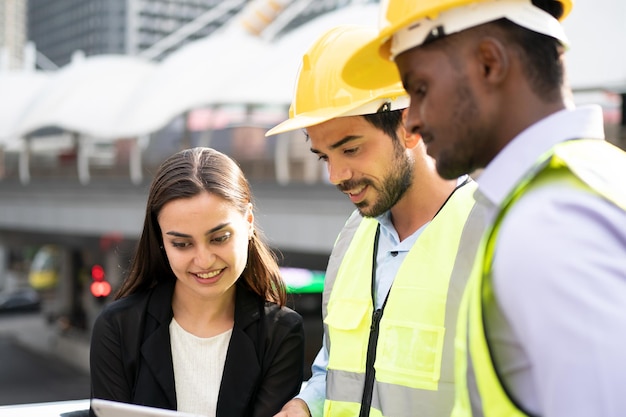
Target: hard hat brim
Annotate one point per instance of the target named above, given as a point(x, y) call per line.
point(395, 96)
point(298, 122)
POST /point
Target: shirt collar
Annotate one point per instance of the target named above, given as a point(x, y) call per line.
point(386, 227)
point(510, 165)
point(389, 231)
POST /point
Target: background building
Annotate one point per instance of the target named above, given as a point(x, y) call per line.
point(61, 27)
point(12, 33)
point(152, 28)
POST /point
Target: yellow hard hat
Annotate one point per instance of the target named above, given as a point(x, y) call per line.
point(405, 24)
point(321, 94)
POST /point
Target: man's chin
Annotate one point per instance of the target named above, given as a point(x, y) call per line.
point(450, 172)
point(363, 210)
point(367, 211)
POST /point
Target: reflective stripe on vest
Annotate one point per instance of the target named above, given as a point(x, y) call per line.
point(592, 165)
point(414, 369)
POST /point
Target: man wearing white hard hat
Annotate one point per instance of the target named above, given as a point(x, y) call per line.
point(394, 280)
point(542, 328)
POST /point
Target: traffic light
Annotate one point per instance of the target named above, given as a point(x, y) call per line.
point(100, 287)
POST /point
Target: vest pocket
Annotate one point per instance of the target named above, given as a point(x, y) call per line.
point(409, 354)
point(348, 328)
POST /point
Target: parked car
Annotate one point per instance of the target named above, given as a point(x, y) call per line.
point(19, 300)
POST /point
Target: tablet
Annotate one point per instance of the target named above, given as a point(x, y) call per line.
point(107, 408)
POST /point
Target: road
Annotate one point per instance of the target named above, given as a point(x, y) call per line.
point(30, 375)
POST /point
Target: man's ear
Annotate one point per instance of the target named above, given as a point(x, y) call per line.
point(493, 59)
point(409, 139)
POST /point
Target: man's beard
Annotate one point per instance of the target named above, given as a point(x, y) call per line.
point(398, 179)
point(467, 135)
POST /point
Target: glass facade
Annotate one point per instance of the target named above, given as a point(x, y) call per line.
point(60, 27)
point(12, 33)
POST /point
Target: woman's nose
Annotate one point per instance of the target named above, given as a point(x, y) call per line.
point(204, 256)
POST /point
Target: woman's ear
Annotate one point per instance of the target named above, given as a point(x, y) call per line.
point(250, 219)
point(250, 214)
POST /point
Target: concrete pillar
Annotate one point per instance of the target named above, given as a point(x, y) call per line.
point(30, 57)
point(62, 303)
point(83, 146)
point(4, 266)
point(24, 161)
point(5, 59)
point(134, 161)
point(112, 262)
point(281, 159)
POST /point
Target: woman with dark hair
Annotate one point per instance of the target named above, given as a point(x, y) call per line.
point(200, 323)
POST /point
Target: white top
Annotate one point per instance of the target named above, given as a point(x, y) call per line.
point(558, 328)
point(198, 367)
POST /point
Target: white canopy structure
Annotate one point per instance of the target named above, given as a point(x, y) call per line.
point(85, 96)
point(17, 91)
point(190, 78)
point(115, 96)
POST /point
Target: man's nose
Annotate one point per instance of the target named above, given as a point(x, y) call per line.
point(338, 172)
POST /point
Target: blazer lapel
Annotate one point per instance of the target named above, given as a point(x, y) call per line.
point(241, 373)
point(156, 348)
point(242, 370)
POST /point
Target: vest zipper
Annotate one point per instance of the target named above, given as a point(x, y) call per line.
point(370, 372)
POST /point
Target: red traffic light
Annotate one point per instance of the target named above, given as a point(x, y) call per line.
point(97, 273)
point(100, 288)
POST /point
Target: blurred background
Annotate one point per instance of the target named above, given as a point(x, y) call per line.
point(94, 94)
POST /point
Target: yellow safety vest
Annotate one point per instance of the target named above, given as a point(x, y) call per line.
point(593, 165)
point(415, 345)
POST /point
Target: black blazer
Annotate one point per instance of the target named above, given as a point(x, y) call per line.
point(131, 358)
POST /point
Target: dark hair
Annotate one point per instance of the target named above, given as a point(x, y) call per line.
point(185, 175)
point(542, 62)
point(386, 120)
point(554, 7)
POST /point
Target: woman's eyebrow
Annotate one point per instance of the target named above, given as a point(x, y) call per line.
point(179, 234)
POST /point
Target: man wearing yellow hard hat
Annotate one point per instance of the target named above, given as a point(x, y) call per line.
point(542, 328)
point(394, 280)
